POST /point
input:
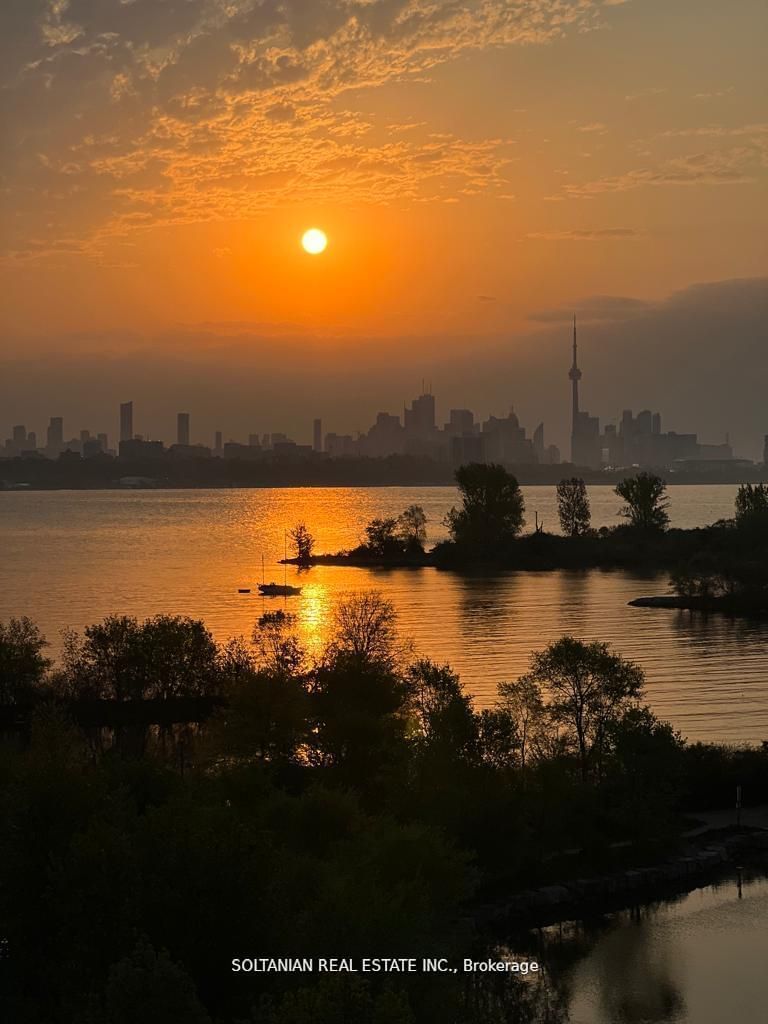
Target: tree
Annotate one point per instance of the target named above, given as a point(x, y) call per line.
point(440, 710)
point(521, 702)
point(586, 689)
point(381, 537)
point(278, 650)
point(646, 501)
point(22, 664)
point(365, 630)
point(357, 691)
point(492, 508)
point(303, 543)
point(150, 987)
point(124, 659)
point(752, 505)
point(573, 507)
point(412, 528)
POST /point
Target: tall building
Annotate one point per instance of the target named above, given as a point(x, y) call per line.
point(126, 421)
point(182, 428)
point(317, 435)
point(420, 418)
point(460, 421)
point(765, 450)
point(218, 442)
point(55, 435)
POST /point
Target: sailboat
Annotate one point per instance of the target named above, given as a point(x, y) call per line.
point(278, 589)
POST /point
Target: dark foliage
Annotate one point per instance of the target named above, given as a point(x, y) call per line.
point(352, 806)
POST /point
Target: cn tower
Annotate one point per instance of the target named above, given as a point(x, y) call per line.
point(575, 376)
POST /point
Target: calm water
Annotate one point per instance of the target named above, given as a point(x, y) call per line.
point(68, 558)
point(697, 960)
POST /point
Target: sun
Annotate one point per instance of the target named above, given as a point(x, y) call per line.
point(314, 241)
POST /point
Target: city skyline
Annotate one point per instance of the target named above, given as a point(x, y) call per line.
point(464, 437)
point(479, 171)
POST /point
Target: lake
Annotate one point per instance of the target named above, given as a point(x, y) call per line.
point(69, 558)
point(697, 959)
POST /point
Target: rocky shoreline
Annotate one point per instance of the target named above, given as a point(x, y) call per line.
point(552, 903)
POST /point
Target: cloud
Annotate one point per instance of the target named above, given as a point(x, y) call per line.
point(593, 128)
point(641, 94)
point(720, 131)
point(592, 309)
point(733, 166)
point(230, 107)
point(596, 235)
point(716, 94)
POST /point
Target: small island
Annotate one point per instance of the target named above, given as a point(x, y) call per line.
point(721, 568)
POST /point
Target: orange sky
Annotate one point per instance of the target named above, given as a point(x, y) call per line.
point(477, 166)
point(162, 166)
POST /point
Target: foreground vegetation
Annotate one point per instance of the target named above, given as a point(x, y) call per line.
point(168, 804)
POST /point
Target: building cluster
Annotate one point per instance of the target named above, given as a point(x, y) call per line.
point(462, 439)
point(633, 441)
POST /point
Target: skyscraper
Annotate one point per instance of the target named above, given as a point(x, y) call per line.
point(317, 435)
point(182, 428)
point(55, 436)
point(126, 421)
point(420, 418)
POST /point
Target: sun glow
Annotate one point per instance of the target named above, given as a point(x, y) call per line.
point(314, 241)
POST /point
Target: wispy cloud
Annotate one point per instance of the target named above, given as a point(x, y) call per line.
point(715, 94)
point(641, 94)
point(584, 235)
point(733, 166)
point(224, 108)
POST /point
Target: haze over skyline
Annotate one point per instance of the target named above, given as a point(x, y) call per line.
point(481, 171)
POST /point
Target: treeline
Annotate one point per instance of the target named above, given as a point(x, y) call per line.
point(351, 804)
point(725, 561)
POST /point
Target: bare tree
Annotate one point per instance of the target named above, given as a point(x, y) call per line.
point(365, 629)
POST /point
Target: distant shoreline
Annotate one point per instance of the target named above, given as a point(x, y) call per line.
point(24, 488)
point(165, 473)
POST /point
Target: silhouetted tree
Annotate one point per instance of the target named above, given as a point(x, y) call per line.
point(278, 649)
point(646, 501)
point(124, 659)
point(364, 629)
point(752, 505)
point(412, 528)
point(492, 508)
point(586, 689)
point(381, 537)
point(303, 543)
point(441, 710)
point(573, 507)
point(22, 663)
point(521, 702)
point(149, 987)
point(498, 739)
